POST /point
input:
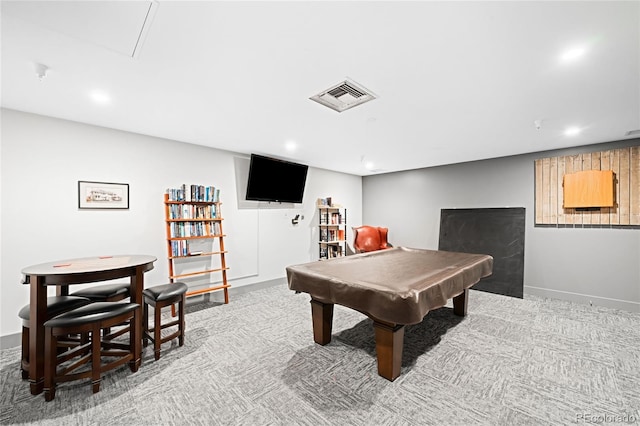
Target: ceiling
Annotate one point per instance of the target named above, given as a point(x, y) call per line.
point(454, 81)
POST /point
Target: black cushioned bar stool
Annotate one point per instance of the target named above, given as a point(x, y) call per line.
point(90, 319)
point(104, 293)
point(55, 306)
point(159, 297)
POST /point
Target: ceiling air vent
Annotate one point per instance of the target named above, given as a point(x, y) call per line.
point(633, 133)
point(343, 96)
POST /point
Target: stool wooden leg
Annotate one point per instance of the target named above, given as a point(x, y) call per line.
point(50, 361)
point(181, 325)
point(95, 358)
point(25, 353)
point(157, 336)
point(133, 335)
point(145, 324)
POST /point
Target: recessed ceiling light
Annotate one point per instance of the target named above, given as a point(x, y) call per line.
point(369, 165)
point(290, 146)
point(572, 131)
point(100, 97)
point(572, 54)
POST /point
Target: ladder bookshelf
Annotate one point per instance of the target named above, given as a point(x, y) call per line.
point(193, 216)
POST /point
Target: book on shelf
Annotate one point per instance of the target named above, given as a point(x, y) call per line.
point(335, 251)
point(323, 253)
point(181, 248)
point(194, 229)
point(324, 202)
point(191, 211)
point(194, 193)
point(336, 218)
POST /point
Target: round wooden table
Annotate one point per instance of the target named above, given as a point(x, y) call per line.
point(63, 273)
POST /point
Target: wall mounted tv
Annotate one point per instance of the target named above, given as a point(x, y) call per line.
point(271, 179)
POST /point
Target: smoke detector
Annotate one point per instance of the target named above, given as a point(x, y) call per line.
point(343, 96)
point(41, 70)
point(537, 124)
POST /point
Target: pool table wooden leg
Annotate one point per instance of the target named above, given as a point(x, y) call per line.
point(322, 314)
point(460, 303)
point(389, 341)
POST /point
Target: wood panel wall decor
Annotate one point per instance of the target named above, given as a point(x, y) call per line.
point(549, 174)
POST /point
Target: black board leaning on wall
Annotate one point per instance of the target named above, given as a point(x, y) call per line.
point(498, 232)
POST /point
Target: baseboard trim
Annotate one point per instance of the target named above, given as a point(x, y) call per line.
point(13, 340)
point(257, 286)
point(586, 299)
point(10, 341)
point(218, 296)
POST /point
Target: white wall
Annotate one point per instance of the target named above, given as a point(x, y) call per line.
point(43, 159)
point(583, 265)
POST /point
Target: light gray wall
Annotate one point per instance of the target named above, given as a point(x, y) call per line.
point(43, 158)
point(601, 266)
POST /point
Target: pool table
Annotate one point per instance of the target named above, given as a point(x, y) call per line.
point(393, 287)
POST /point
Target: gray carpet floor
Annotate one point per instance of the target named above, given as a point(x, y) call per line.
point(253, 362)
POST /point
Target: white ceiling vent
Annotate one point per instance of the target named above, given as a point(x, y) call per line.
point(343, 96)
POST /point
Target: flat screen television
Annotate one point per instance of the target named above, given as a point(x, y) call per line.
point(271, 179)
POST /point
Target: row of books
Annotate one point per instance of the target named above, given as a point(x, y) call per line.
point(324, 202)
point(182, 248)
point(334, 218)
point(331, 235)
point(192, 211)
point(329, 252)
point(194, 193)
point(195, 229)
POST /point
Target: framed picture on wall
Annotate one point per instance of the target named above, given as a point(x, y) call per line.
point(103, 195)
